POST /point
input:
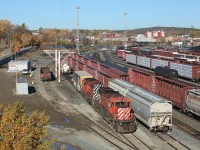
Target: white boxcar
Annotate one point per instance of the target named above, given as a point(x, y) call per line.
point(144, 61)
point(158, 62)
point(152, 110)
point(184, 70)
point(130, 58)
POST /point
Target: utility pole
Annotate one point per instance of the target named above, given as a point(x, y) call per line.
point(125, 22)
point(192, 35)
point(77, 32)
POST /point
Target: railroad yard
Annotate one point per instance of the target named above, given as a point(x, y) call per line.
point(75, 123)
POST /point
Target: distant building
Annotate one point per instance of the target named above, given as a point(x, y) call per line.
point(143, 38)
point(155, 34)
point(36, 32)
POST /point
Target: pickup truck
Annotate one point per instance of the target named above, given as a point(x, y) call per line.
point(25, 72)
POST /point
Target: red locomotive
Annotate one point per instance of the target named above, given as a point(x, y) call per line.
point(112, 106)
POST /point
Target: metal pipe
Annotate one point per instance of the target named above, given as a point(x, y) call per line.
point(58, 66)
point(56, 63)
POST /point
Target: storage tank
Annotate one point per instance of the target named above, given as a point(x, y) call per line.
point(166, 72)
point(65, 68)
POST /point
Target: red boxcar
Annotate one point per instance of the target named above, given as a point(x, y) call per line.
point(142, 79)
point(93, 64)
point(81, 66)
point(91, 71)
point(175, 91)
point(115, 73)
point(103, 78)
point(120, 53)
point(86, 61)
point(103, 68)
point(76, 57)
point(80, 57)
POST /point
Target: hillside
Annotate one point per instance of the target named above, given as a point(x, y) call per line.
point(168, 30)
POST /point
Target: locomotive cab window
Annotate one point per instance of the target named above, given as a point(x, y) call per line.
point(121, 104)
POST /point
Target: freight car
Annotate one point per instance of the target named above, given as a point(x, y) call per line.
point(112, 106)
point(185, 70)
point(182, 95)
point(5, 59)
point(152, 110)
point(45, 74)
point(166, 72)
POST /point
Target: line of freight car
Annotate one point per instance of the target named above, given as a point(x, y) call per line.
point(80, 62)
point(178, 93)
point(187, 71)
point(152, 110)
point(112, 106)
point(182, 95)
point(101, 78)
point(129, 65)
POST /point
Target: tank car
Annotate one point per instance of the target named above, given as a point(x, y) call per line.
point(152, 110)
point(166, 72)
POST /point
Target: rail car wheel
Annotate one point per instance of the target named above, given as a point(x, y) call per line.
point(107, 119)
point(165, 129)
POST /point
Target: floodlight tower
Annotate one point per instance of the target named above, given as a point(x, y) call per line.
point(77, 32)
point(125, 22)
point(192, 35)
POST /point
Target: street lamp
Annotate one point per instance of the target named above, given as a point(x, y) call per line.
point(192, 35)
point(125, 22)
point(77, 32)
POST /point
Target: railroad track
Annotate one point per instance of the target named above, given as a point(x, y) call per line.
point(191, 131)
point(172, 141)
point(63, 106)
point(132, 139)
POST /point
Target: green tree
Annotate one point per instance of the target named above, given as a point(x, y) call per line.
point(19, 131)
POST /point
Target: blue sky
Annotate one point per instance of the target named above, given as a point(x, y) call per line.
point(102, 14)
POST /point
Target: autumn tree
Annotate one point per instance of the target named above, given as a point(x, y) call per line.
point(5, 27)
point(19, 131)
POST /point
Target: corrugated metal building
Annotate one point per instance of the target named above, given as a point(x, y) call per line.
point(19, 65)
point(22, 86)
